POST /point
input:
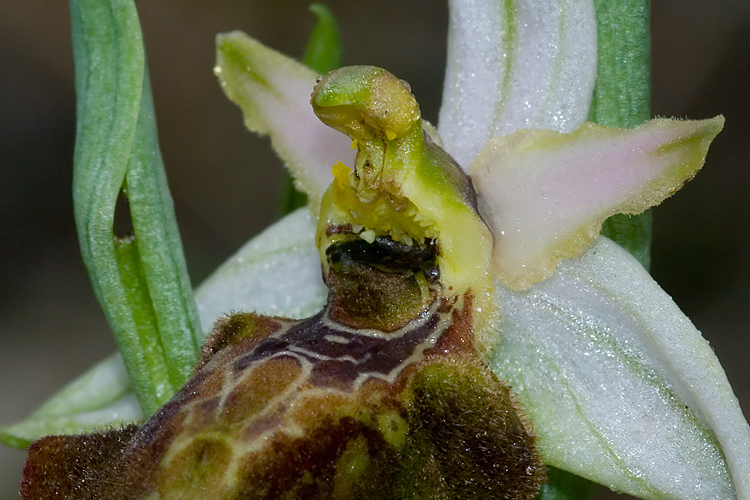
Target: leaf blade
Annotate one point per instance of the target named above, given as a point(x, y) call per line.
point(116, 139)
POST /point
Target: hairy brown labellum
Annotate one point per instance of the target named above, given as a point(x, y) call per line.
point(383, 394)
point(380, 395)
point(313, 409)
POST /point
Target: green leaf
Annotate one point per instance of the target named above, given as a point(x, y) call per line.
point(325, 51)
point(142, 284)
point(622, 93)
point(282, 261)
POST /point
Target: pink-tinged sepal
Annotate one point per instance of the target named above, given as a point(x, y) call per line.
point(545, 195)
point(273, 91)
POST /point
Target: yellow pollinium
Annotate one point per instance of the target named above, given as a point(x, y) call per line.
point(341, 173)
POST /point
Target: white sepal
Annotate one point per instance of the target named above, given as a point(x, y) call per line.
point(620, 386)
point(513, 65)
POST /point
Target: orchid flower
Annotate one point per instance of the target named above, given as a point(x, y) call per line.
point(606, 374)
point(618, 385)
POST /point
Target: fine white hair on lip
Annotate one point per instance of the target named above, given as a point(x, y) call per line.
point(530, 66)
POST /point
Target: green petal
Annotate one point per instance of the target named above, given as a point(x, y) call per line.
point(620, 386)
point(273, 92)
point(515, 64)
point(545, 195)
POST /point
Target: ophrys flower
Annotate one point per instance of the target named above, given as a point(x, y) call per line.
point(566, 302)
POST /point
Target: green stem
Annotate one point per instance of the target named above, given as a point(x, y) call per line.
point(622, 98)
point(140, 282)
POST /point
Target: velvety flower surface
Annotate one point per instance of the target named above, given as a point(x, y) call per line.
point(618, 384)
point(600, 355)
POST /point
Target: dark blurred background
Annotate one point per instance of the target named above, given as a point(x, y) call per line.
point(225, 181)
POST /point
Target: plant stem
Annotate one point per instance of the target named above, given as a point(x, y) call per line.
point(622, 98)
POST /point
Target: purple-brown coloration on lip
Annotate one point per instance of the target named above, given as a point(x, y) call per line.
point(343, 357)
point(384, 417)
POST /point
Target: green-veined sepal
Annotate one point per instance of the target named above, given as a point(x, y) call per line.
point(621, 387)
point(100, 398)
point(515, 64)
